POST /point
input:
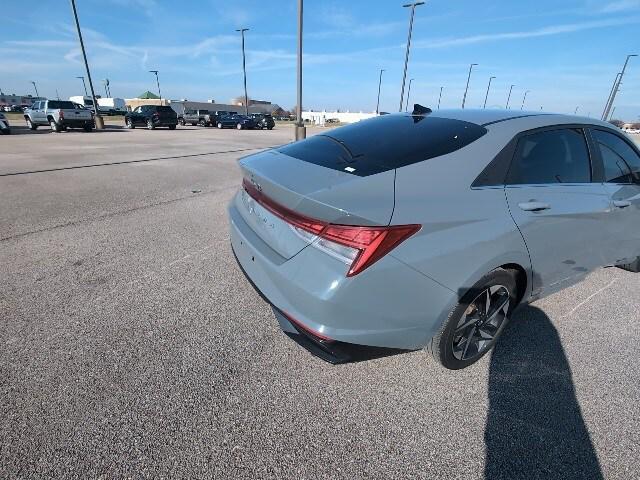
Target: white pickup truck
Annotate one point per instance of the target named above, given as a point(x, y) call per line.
point(59, 115)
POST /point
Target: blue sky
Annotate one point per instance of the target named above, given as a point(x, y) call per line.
point(565, 52)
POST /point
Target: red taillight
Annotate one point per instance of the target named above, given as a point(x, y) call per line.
point(310, 331)
point(60, 114)
point(368, 244)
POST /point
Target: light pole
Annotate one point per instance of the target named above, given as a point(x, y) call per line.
point(406, 105)
point(244, 71)
point(440, 97)
point(98, 119)
point(615, 81)
point(35, 88)
point(487, 95)
point(301, 131)
point(84, 85)
point(57, 94)
point(524, 98)
point(106, 87)
point(616, 86)
point(379, 87)
point(464, 99)
point(613, 112)
point(575, 112)
point(155, 72)
point(509, 97)
point(406, 58)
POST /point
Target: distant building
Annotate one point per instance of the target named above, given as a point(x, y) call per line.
point(20, 100)
point(146, 98)
point(240, 101)
point(320, 118)
point(266, 107)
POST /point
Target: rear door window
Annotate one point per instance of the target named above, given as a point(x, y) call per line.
point(619, 159)
point(551, 157)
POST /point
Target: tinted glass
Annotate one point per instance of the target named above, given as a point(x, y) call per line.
point(618, 157)
point(385, 143)
point(61, 104)
point(556, 156)
point(204, 112)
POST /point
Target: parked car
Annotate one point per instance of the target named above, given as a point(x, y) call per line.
point(263, 120)
point(428, 229)
point(152, 116)
point(241, 122)
point(59, 115)
point(197, 117)
point(5, 128)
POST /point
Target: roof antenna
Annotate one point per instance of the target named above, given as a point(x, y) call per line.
point(420, 110)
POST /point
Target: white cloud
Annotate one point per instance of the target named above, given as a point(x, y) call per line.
point(540, 32)
point(619, 6)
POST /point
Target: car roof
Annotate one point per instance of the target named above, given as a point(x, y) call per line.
point(507, 118)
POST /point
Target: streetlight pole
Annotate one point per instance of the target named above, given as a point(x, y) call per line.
point(440, 97)
point(464, 99)
point(575, 112)
point(84, 85)
point(616, 86)
point(615, 81)
point(406, 58)
point(57, 94)
point(509, 97)
point(406, 105)
point(35, 88)
point(524, 98)
point(155, 72)
point(244, 71)
point(379, 87)
point(98, 119)
point(487, 95)
point(301, 131)
point(613, 112)
point(106, 87)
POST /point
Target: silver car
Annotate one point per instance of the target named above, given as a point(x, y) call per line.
point(427, 229)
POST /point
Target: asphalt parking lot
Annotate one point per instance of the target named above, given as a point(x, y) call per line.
point(131, 344)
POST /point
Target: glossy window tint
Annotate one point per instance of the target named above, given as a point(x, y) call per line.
point(385, 143)
point(551, 157)
point(619, 159)
point(61, 104)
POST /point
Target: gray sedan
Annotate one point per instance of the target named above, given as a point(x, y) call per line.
point(427, 229)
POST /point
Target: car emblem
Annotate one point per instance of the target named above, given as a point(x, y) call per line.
point(256, 184)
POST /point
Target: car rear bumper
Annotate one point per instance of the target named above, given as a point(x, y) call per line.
point(388, 305)
point(75, 123)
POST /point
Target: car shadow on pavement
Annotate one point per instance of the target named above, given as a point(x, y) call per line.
point(24, 130)
point(535, 428)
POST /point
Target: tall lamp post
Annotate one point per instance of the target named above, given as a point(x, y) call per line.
point(464, 99)
point(98, 119)
point(379, 87)
point(106, 87)
point(509, 97)
point(406, 105)
point(406, 58)
point(35, 88)
point(616, 86)
point(440, 97)
point(301, 131)
point(487, 95)
point(84, 85)
point(524, 98)
point(575, 112)
point(155, 72)
point(244, 71)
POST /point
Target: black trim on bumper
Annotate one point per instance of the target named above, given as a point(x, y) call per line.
point(334, 352)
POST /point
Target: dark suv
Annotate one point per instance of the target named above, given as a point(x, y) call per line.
point(152, 116)
point(263, 120)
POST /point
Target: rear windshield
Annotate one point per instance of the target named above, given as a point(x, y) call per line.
point(63, 104)
point(385, 143)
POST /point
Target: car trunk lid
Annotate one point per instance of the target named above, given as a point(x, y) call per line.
point(312, 191)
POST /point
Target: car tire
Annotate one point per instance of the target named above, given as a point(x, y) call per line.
point(471, 331)
point(181, 122)
point(269, 128)
point(6, 131)
point(220, 125)
point(193, 124)
point(239, 126)
point(129, 124)
point(202, 123)
point(54, 126)
point(88, 128)
point(172, 127)
point(150, 125)
point(31, 125)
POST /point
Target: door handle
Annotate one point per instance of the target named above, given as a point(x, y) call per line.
point(622, 203)
point(534, 206)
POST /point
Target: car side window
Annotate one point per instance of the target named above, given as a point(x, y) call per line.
point(551, 157)
point(619, 159)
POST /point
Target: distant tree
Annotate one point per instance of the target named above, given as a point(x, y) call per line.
point(617, 123)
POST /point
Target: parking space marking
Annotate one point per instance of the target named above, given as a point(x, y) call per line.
point(598, 292)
